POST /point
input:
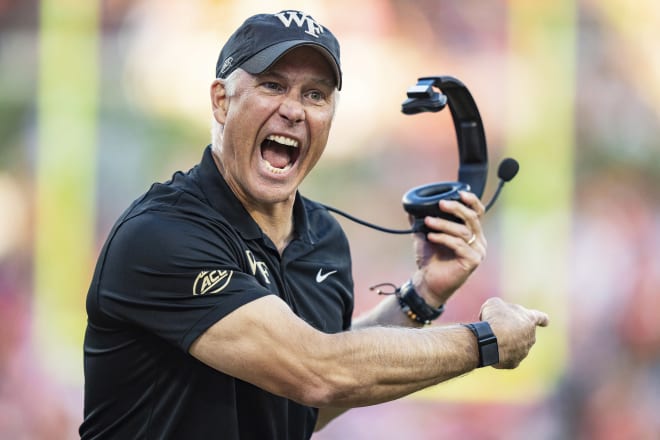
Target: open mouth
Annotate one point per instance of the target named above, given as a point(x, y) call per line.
point(279, 152)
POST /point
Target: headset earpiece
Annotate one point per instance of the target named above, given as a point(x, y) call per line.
point(423, 200)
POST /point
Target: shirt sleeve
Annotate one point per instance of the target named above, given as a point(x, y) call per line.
point(173, 276)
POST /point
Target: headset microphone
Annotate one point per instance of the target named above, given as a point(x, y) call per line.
point(423, 201)
point(506, 172)
point(508, 169)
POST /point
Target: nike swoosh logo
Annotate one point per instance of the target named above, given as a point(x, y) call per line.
point(320, 276)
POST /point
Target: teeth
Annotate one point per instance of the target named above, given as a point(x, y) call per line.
point(283, 140)
point(274, 170)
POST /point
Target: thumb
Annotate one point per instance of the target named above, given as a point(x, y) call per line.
point(541, 319)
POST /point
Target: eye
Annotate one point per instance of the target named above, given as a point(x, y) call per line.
point(315, 95)
point(272, 85)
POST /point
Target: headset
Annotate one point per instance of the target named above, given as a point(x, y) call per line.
point(422, 201)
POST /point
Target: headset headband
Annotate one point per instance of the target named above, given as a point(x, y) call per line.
point(472, 149)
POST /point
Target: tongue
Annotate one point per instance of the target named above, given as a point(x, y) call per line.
point(277, 155)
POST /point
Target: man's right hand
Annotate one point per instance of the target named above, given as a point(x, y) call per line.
point(515, 329)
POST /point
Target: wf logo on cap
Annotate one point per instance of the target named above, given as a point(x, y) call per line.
point(300, 19)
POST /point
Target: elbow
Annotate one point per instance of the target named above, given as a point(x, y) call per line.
point(325, 391)
point(314, 397)
point(317, 397)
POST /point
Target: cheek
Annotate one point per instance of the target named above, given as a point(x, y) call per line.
point(320, 142)
point(240, 130)
point(323, 134)
point(235, 145)
point(322, 125)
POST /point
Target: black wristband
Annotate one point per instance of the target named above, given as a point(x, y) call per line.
point(415, 307)
point(487, 343)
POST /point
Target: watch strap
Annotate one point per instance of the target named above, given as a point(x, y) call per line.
point(487, 342)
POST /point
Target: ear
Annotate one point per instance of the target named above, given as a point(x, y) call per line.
point(219, 101)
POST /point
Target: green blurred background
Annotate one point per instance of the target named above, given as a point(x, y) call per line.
point(98, 99)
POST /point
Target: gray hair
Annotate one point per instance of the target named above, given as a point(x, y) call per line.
point(217, 128)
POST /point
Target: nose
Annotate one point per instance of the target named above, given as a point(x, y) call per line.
point(292, 110)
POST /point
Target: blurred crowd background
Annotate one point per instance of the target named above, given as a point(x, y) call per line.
point(98, 99)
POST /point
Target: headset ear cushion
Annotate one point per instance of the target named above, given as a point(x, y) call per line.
point(423, 200)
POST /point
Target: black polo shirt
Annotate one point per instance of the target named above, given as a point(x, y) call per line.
point(179, 259)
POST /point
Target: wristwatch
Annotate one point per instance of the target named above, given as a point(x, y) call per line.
point(487, 343)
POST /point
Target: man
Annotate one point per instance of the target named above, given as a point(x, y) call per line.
point(221, 305)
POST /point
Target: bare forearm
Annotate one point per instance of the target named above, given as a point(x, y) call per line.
point(442, 368)
point(381, 364)
point(386, 313)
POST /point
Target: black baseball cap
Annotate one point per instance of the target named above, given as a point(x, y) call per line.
point(264, 38)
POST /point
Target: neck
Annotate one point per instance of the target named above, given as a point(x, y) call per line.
point(277, 224)
point(275, 220)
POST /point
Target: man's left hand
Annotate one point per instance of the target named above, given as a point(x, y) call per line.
point(447, 256)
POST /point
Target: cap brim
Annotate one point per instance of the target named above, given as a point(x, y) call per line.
point(261, 61)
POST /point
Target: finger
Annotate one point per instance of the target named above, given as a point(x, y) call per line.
point(457, 244)
point(449, 227)
point(469, 216)
point(471, 200)
point(458, 209)
point(470, 256)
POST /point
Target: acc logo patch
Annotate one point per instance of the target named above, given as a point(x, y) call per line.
point(211, 281)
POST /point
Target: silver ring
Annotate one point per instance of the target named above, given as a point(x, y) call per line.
point(472, 239)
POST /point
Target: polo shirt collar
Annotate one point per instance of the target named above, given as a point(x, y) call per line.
point(223, 200)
